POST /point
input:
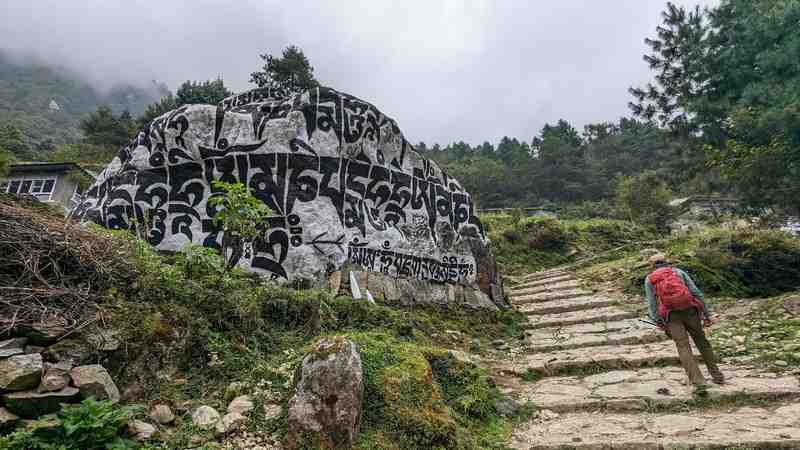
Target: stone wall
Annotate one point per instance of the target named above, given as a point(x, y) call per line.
point(343, 183)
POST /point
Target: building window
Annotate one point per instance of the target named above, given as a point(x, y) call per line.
point(42, 188)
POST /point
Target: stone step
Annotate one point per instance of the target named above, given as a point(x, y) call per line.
point(543, 275)
point(649, 388)
point(620, 332)
point(566, 305)
point(592, 359)
point(607, 314)
point(545, 282)
point(775, 427)
point(549, 296)
point(528, 290)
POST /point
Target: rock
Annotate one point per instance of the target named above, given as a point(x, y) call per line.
point(32, 404)
point(56, 376)
point(792, 305)
point(498, 343)
point(272, 411)
point(94, 381)
point(11, 347)
point(205, 417)
point(7, 420)
point(141, 431)
point(234, 389)
point(230, 422)
point(34, 349)
point(241, 404)
point(104, 340)
point(739, 339)
point(325, 409)
point(74, 351)
point(310, 140)
point(20, 372)
point(507, 407)
point(162, 414)
point(781, 363)
point(46, 331)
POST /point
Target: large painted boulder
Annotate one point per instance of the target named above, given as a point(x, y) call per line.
point(345, 187)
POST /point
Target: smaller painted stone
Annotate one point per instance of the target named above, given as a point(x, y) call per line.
point(205, 417)
point(94, 381)
point(20, 372)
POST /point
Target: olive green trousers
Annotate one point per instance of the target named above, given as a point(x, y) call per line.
point(681, 325)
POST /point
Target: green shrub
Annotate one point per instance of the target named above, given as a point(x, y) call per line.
point(543, 232)
point(90, 425)
point(644, 199)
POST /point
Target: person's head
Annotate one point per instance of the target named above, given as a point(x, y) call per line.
point(658, 260)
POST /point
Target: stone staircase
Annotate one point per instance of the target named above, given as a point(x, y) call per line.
point(601, 379)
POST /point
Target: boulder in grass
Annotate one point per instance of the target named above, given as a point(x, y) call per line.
point(141, 431)
point(325, 410)
point(205, 417)
point(32, 404)
point(20, 372)
point(94, 381)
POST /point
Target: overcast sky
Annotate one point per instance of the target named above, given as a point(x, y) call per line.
point(446, 70)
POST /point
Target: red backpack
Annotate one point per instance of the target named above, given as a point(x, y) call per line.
point(671, 291)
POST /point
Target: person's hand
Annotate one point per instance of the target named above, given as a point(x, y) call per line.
point(707, 322)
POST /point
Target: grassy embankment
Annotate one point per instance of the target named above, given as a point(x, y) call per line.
point(190, 328)
point(751, 276)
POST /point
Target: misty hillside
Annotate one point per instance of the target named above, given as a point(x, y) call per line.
point(27, 89)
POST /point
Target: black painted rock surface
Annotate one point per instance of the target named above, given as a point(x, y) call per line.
point(341, 179)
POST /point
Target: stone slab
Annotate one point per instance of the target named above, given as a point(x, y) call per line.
point(741, 428)
point(566, 305)
point(645, 388)
point(603, 357)
point(621, 332)
point(549, 296)
point(606, 314)
point(530, 290)
point(544, 282)
point(545, 274)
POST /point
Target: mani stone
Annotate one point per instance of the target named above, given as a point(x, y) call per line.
point(94, 381)
point(32, 404)
point(344, 184)
point(20, 372)
point(11, 347)
point(325, 409)
point(205, 417)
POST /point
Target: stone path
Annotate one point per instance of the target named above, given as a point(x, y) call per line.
point(602, 379)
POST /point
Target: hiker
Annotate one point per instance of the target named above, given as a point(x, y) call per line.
point(677, 306)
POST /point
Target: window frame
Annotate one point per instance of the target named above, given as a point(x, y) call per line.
point(7, 183)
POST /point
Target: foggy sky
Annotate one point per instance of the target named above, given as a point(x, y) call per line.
point(446, 70)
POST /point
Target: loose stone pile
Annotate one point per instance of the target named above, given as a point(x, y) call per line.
point(38, 372)
point(601, 379)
